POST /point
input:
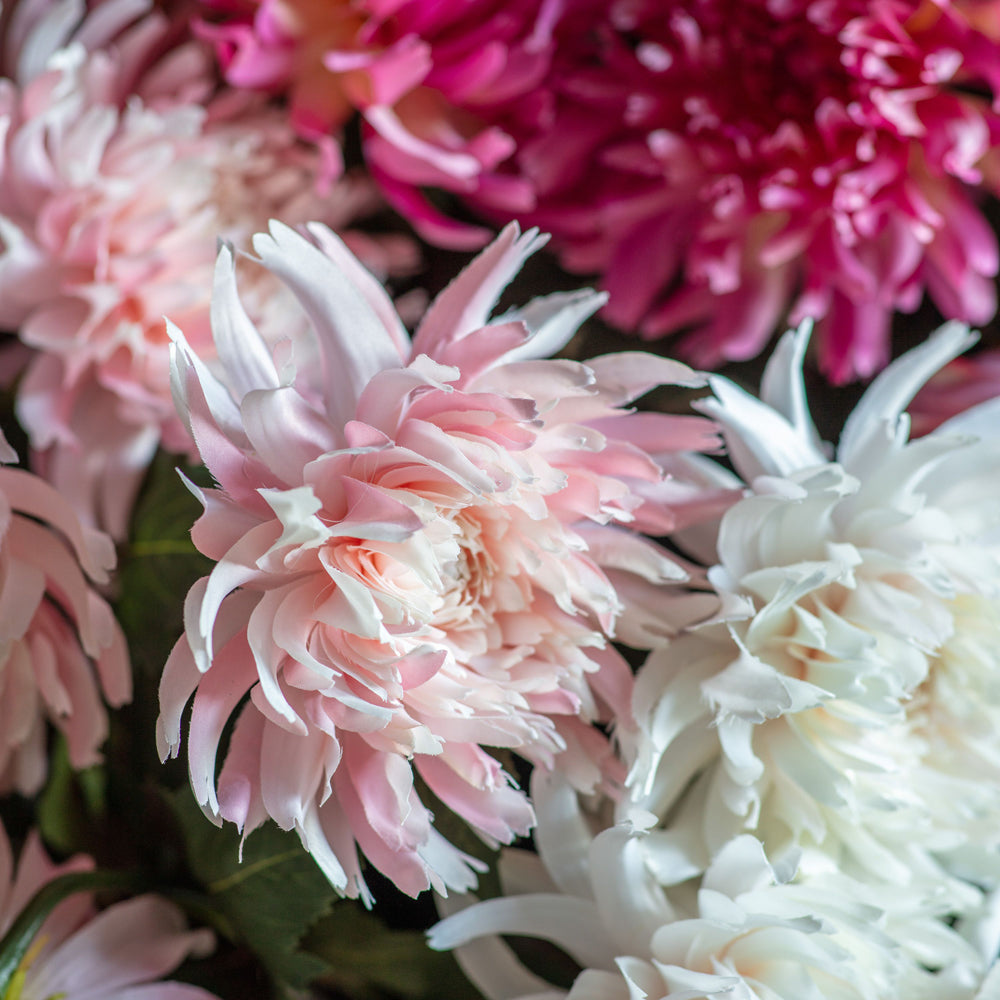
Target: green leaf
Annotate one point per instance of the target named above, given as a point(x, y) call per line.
point(269, 900)
point(17, 941)
point(72, 803)
point(156, 570)
point(159, 565)
point(368, 960)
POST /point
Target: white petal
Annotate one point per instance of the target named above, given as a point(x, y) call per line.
point(782, 386)
point(488, 963)
point(552, 321)
point(759, 440)
point(242, 350)
point(572, 924)
point(631, 903)
point(890, 393)
point(562, 836)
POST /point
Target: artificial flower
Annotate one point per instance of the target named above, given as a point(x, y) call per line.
point(433, 84)
point(60, 646)
point(744, 929)
point(119, 953)
point(422, 547)
point(120, 170)
point(844, 699)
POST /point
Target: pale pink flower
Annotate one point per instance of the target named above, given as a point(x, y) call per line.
point(421, 549)
point(119, 172)
point(434, 85)
point(60, 646)
point(81, 954)
point(730, 167)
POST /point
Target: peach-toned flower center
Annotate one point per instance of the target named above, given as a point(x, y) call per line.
point(450, 577)
point(789, 648)
point(316, 28)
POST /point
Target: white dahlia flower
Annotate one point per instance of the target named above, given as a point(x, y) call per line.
point(745, 930)
point(845, 700)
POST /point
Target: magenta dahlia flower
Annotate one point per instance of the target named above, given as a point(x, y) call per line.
point(60, 646)
point(726, 168)
point(434, 83)
point(119, 953)
point(729, 167)
point(421, 550)
point(119, 170)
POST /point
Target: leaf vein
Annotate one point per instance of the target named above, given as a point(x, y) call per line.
point(248, 871)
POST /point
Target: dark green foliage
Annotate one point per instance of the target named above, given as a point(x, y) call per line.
point(267, 901)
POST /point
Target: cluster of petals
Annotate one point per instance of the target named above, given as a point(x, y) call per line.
point(844, 699)
point(80, 953)
point(730, 168)
point(723, 169)
point(120, 168)
point(60, 646)
point(610, 899)
point(434, 85)
point(421, 547)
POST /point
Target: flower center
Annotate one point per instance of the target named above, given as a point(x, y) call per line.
point(746, 68)
point(15, 988)
point(761, 86)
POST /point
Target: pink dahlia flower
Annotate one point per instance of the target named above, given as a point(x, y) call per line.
point(434, 83)
point(81, 954)
point(60, 646)
point(119, 171)
point(732, 167)
point(421, 550)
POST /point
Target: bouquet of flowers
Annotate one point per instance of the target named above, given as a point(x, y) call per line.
point(385, 617)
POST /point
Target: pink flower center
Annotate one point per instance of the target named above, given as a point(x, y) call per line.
point(745, 68)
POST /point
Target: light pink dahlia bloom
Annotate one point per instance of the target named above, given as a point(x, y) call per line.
point(82, 954)
point(731, 167)
point(60, 646)
point(119, 171)
point(421, 548)
point(440, 88)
